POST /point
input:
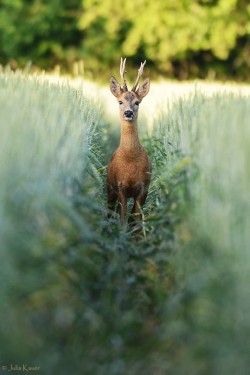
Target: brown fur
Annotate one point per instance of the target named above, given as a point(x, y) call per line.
point(129, 171)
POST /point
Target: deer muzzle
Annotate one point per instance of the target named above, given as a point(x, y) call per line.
point(128, 115)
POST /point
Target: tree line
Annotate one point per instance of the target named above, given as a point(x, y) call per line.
point(182, 39)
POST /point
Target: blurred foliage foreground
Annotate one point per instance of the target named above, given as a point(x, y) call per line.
point(185, 38)
point(81, 296)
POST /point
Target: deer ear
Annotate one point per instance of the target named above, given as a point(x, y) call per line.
point(115, 88)
point(143, 88)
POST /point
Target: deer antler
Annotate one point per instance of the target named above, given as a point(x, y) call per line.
point(122, 73)
point(140, 72)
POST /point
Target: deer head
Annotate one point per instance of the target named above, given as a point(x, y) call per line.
point(129, 100)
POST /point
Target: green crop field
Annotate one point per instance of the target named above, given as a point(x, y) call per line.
point(79, 295)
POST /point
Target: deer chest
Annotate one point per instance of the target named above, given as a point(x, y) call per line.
point(130, 173)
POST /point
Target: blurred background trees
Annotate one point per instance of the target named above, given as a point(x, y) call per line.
point(182, 39)
point(43, 31)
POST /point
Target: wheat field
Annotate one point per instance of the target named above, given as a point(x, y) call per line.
point(79, 295)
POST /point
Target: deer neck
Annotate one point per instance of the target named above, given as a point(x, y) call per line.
point(129, 141)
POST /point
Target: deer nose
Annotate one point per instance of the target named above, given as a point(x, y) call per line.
point(128, 114)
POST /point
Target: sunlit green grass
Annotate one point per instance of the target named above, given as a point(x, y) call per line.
point(79, 294)
point(211, 134)
point(45, 151)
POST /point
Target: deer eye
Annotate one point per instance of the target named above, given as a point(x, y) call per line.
point(120, 102)
point(137, 102)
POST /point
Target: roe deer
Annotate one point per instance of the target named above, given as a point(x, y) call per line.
point(129, 171)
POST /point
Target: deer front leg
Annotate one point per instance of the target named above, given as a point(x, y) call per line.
point(112, 199)
point(122, 199)
point(136, 214)
point(136, 217)
point(123, 207)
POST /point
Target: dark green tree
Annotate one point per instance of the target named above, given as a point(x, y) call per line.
point(39, 30)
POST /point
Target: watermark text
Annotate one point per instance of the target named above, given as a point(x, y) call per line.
point(24, 367)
